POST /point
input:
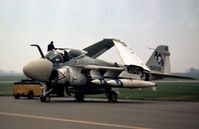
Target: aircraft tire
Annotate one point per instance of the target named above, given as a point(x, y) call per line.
point(112, 97)
point(79, 97)
point(45, 99)
point(42, 99)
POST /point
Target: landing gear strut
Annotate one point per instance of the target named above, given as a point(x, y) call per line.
point(112, 96)
point(45, 94)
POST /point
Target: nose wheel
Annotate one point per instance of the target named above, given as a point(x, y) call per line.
point(45, 94)
point(45, 98)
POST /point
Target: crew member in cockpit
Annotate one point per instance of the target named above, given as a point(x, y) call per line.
point(51, 46)
point(66, 56)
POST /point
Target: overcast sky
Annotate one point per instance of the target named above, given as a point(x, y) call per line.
point(79, 23)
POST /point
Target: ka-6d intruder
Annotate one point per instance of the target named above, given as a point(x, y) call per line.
point(80, 73)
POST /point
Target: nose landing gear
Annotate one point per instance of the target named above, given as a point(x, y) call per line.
point(45, 97)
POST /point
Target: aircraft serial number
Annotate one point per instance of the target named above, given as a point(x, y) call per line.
point(155, 68)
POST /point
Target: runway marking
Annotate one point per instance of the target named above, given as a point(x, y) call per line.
point(71, 121)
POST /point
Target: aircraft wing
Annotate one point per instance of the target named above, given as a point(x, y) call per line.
point(99, 48)
point(157, 76)
point(103, 75)
point(128, 56)
point(99, 71)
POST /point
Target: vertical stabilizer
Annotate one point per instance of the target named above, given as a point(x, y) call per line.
point(159, 62)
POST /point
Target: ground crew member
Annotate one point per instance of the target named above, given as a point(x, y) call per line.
point(51, 46)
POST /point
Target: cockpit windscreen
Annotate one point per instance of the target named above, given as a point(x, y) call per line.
point(54, 56)
point(63, 55)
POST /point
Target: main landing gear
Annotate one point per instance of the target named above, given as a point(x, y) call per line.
point(79, 97)
point(112, 97)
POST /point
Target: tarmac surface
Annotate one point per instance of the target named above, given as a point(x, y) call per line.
point(65, 113)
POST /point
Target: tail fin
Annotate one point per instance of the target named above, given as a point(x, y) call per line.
point(159, 62)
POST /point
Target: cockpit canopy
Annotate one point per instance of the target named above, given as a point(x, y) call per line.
point(64, 55)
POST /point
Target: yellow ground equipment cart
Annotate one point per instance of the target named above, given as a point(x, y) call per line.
point(27, 88)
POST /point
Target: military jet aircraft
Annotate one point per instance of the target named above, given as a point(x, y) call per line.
point(79, 72)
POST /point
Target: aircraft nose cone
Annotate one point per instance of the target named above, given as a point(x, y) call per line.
point(39, 69)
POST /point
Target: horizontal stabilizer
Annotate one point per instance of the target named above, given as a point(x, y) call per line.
point(159, 64)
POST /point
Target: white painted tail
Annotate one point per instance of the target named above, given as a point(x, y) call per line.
point(159, 62)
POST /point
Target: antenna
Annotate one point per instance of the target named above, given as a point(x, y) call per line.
point(151, 48)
